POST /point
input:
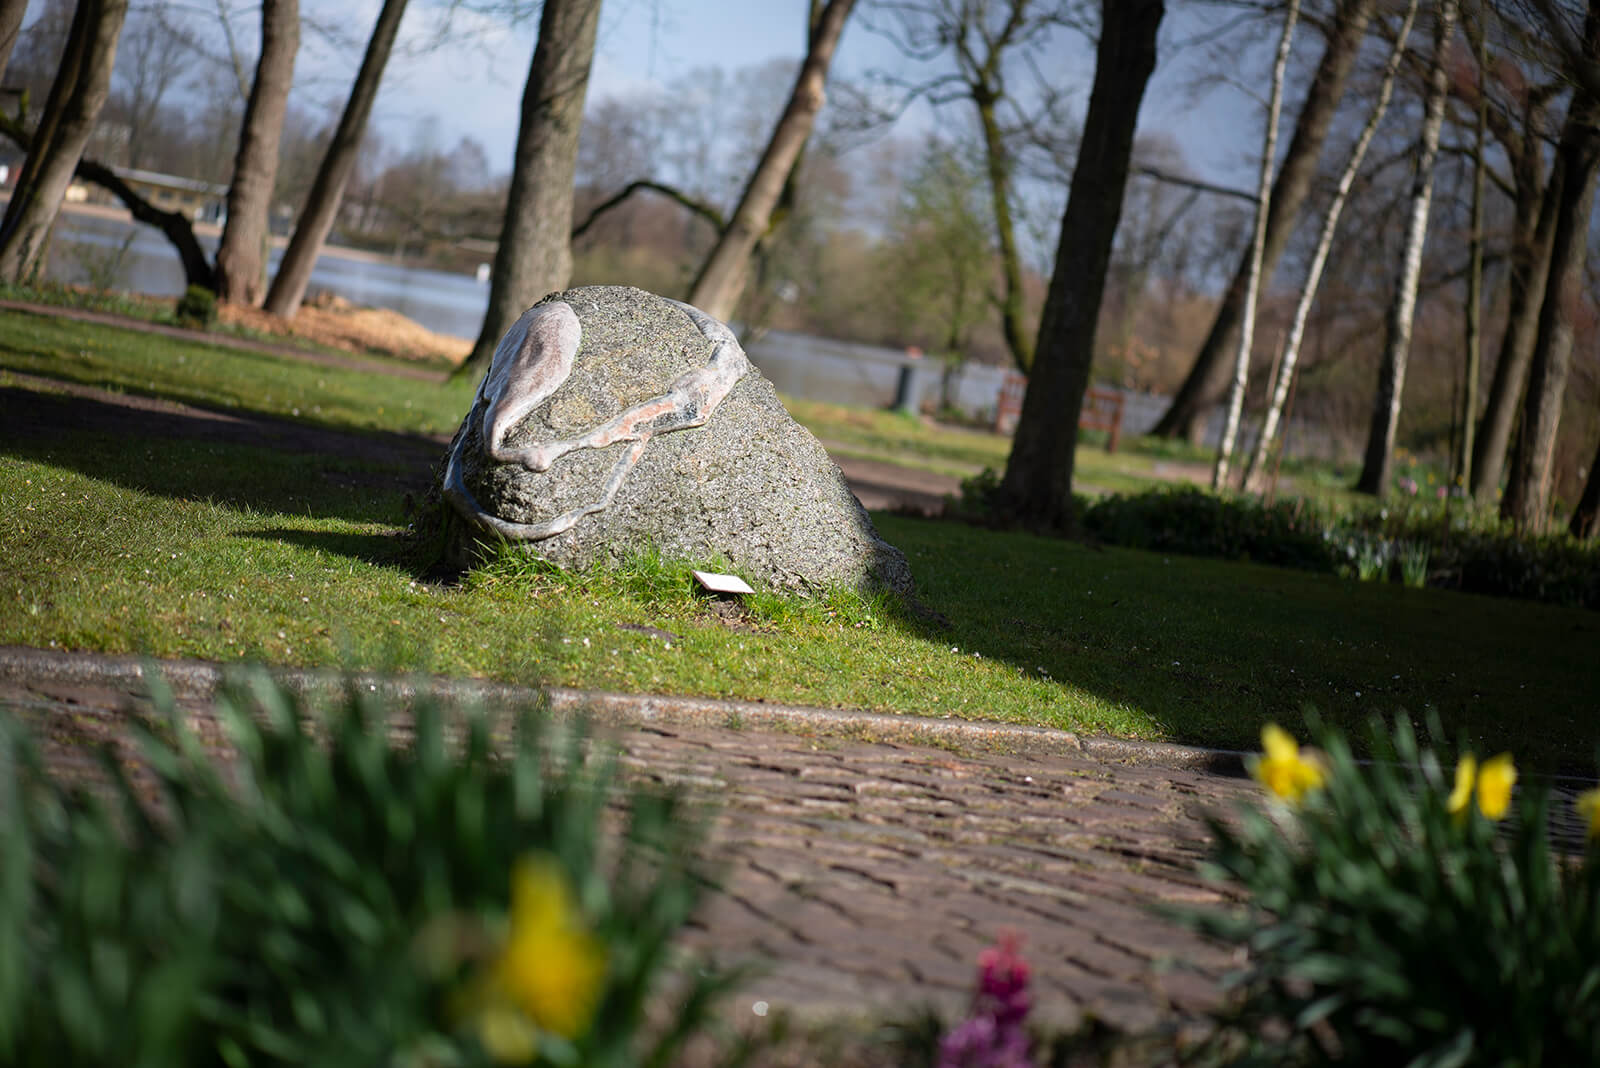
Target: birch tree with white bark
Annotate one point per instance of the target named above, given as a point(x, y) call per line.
point(1379, 457)
point(1289, 360)
point(1258, 241)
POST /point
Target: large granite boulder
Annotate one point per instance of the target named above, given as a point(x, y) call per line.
point(613, 421)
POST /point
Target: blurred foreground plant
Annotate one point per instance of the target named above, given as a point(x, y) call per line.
point(329, 897)
point(994, 1034)
point(1391, 920)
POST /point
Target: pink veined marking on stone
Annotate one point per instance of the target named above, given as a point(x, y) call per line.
point(542, 351)
point(530, 363)
point(688, 402)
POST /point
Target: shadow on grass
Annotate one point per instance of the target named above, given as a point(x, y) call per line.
point(385, 549)
point(188, 453)
point(1115, 641)
point(1208, 650)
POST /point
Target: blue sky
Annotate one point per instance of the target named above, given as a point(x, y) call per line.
point(474, 88)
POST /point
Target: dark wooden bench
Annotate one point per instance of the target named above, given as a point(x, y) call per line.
point(1102, 409)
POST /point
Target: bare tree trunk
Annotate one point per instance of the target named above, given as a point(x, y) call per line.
point(1527, 501)
point(1533, 234)
point(722, 277)
point(1586, 518)
point(1474, 310)
point(55, 106)
point(1207, 378)
point(1402, 309)
point(1319, 260)
point(241, 258)
point(327, 189)
point(1258, 237)
point(1037, 489)
point(11, 15)
point(534, 256)
point(81, 88)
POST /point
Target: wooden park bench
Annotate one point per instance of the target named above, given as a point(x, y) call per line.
point(1102, 409)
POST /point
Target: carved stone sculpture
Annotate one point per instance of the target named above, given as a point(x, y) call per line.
point(612, 421)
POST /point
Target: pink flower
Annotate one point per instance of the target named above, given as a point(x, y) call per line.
point(992, 1035)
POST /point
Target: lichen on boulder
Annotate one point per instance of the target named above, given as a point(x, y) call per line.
point(614, 422)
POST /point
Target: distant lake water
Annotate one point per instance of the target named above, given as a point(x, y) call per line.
point(88, 245)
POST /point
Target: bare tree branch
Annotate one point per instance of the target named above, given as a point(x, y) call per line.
point(174, 225)
point(1167, 177)
point(698, 207)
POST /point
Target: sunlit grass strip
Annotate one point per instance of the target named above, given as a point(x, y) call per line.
point(107, 548)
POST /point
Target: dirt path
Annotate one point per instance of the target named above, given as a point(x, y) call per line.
point(35, 407)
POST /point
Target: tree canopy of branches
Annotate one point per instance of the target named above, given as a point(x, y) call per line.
point(939, 239)
point(984, 40)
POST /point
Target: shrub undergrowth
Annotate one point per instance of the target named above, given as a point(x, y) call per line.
point(1447, 545)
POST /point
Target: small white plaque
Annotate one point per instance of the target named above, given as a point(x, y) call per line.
point(721, 583)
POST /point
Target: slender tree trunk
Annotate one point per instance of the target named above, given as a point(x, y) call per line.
point(1586, 518)
point(1207, 377)
point(1535, 228)
point(11, 15)
point(80, 91)
point(997, 159)
point(534, 256)
point(1258, 237)
point(1319, 259)
point(1528, 493)
point(1474, 311)
point(1037, 489)
point(1402, 309)
point(241, 266)
point(722, 277)
point(327, 189)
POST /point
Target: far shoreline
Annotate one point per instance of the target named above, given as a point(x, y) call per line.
point(117, 213)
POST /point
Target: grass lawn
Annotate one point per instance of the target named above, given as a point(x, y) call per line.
point(186, 542)
point(205, 371)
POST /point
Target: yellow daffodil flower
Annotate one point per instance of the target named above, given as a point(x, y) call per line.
point(1493, 783)
point(506, 1034)
point(1461, 796)
point(1282, 768)
point(1495, 780)
point(549, 974)
point(1588, 806)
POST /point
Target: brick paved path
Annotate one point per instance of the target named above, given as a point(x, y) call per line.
point(872, 873)
point(870, 859)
